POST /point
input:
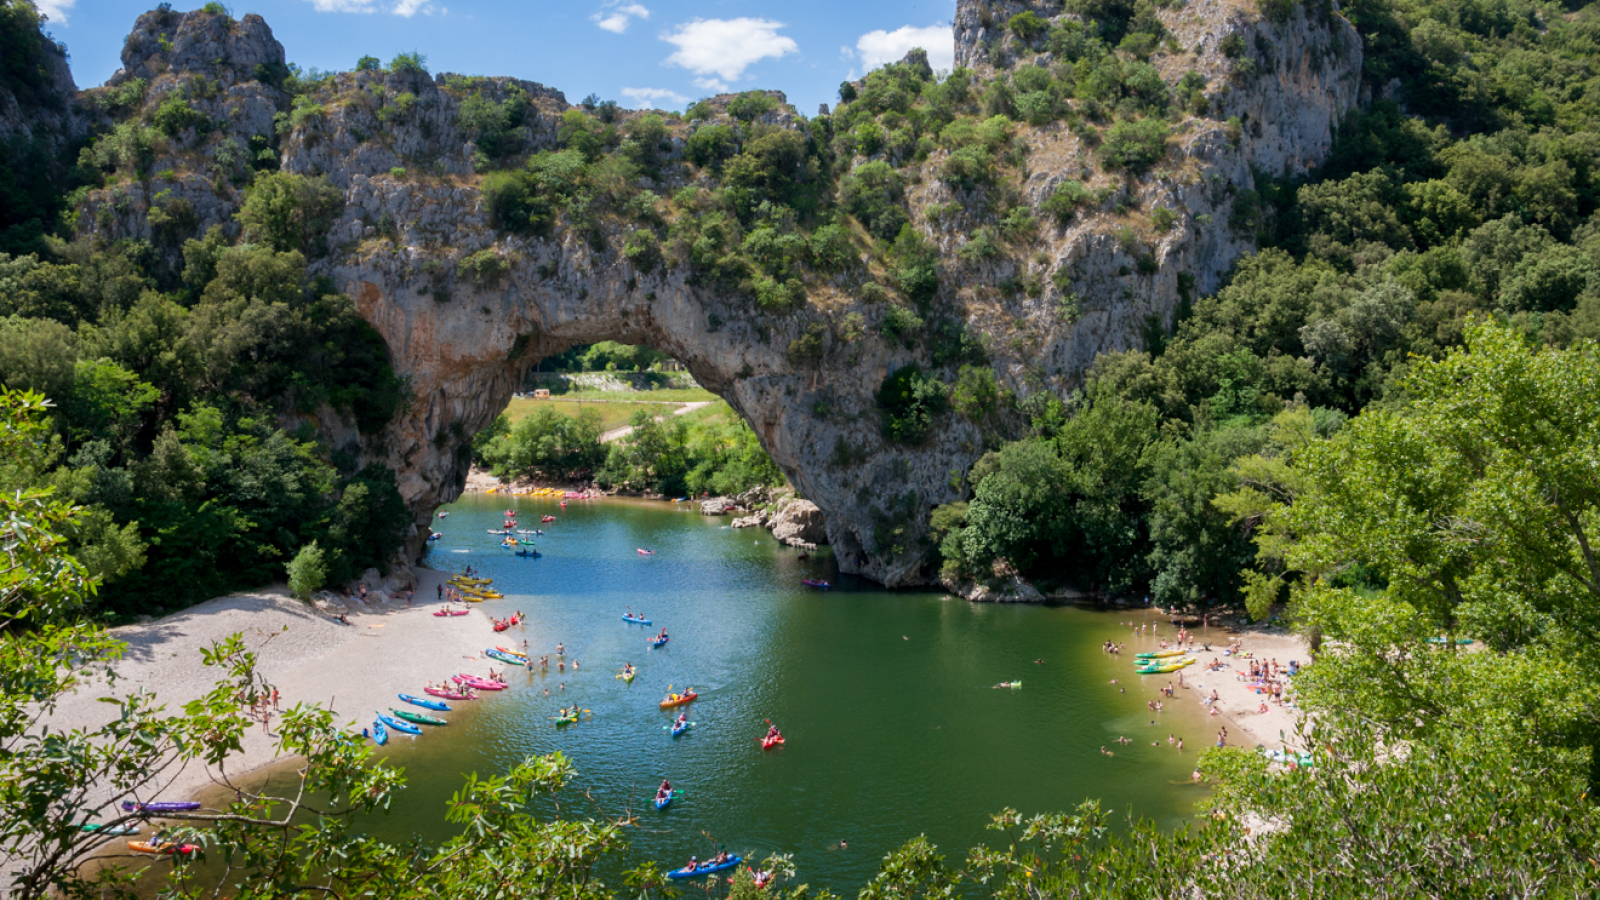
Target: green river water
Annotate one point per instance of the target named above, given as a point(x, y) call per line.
point(885, 697)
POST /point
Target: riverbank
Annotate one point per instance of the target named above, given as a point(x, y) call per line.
point(308, 655)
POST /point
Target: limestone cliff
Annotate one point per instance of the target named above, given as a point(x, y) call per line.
point(394, 143)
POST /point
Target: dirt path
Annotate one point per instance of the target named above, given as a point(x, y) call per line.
point(619, 433)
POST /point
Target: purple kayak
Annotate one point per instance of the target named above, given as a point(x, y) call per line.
point(172, 806)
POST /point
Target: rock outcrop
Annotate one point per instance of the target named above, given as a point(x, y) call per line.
point(394, 144)
point(799, 523)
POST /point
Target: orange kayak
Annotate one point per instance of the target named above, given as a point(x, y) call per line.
point(679, 699)
point(165, 848)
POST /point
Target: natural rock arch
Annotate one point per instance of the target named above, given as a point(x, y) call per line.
point(413, 213)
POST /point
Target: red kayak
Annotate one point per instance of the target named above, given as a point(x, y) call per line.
point(482, 684)
point(452, 612)
point(767, 743)
point(501, 626)
point(547, 519)
point(448, 695)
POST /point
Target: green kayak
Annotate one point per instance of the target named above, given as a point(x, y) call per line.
point(417, 717)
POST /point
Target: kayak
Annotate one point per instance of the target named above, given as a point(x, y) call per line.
point(501, 626)
point(680, 728)
point(661, 802)
point(464, 581)
point(706, 869)
point(1160, 654)
point(1285, 757)
point(517, 653)
point(528, 554)
point(504, 657)
point(641, 621)
point(679, 699)
point(627, 677)
point(567, 721)
point(169, 806)
point(398, 725)
point(767, 743)
point(1009, 684)
point(655, 642)
point(482, 684)
point(418, 718)
point(451, 612)
point(113, 830)
point(380, 734)
point(448, 695)
point(165, 848)
point(1165, 667)
point(819, 585)
point(425, 703)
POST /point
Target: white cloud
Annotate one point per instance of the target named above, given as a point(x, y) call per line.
point(616, 21)
point(726, 47)
point(714, 85)
point(405, 8)
point(879, 47)
point(660, 98)
point(55, 10)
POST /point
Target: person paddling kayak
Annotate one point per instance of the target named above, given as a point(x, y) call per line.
point(773, 735)
point(683, 719)
point(665, 790)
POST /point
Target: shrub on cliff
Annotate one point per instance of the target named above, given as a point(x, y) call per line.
point(290, 212)
point(910, 401)
point(1135, 146)
point(875, 194)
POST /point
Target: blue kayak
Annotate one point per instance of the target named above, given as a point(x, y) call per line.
point(425, 703)
point(398, 725)
point(706, 869)
point(661, 802)
point(380, 734)
point(628, 618)
point(678, 729)
point(656, 642)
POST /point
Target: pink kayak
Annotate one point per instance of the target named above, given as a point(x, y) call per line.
point(452, 612)
point(448, 695)
point(481, 684)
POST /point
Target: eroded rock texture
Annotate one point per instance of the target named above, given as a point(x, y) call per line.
point(413, 212)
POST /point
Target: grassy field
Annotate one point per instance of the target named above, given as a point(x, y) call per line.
point(674, 395)
point(612, 415)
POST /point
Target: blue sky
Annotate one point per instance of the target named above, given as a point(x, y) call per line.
point(660, 53)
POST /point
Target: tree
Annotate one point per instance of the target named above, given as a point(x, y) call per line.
point(290, 212)
point(307, 571)
point(1467, 510)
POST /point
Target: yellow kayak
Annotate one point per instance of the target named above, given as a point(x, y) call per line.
point(1161, 654)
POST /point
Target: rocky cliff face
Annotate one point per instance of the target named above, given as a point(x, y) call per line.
point(394, 144)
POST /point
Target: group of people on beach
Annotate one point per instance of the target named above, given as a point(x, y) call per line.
point(262, 707)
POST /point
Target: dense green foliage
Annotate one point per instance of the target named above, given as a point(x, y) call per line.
point(546, 444)
point(176, 406)
point(676, 455)
point(606, 356)
point(681, 455)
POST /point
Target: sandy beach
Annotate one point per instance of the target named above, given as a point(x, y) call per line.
point(1238, 705)
point(302, 650)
